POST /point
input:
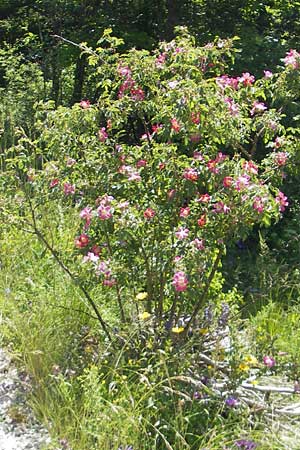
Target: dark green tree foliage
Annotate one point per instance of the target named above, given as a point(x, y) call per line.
point(266, 30)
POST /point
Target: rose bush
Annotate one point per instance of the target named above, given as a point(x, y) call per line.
point(174, 162)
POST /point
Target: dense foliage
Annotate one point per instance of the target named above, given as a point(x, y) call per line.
point(149, 210)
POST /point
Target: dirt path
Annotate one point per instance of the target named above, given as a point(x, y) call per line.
point(18, 429)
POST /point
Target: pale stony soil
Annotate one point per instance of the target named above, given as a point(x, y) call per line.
point(18, 428)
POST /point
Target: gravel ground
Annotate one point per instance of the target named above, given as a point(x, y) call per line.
point(18, 428)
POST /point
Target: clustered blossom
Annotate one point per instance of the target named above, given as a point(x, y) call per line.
point(102, 134)
point(281, 199)
point(246, 79)
point(227, 182)
point(86, 214)
point(82, 241)
point(258, 107)
point(281, 158)
point(182, 233)
point(54, 183)
point(225, 81)
point(131, 172)
point(220, 207)
point(85, 104)
point(198, 244)
point(202, 220)
point(250, 167)
point(259, 204)
point(184, 212)
point(175, 125)
point(180, 281)
point(204, 198)
point(269, 361)
point(232, 106)
point(129, 85)
point(149, 213)
point(242, 182)
point(190, 174)
point(69, 189)
point(292, 59)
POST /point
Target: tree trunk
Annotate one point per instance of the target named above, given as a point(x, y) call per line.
point(79, 79)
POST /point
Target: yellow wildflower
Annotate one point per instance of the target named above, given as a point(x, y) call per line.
point(177, 330)
point(203, 330)
point(145, 315)
point(251, 360)
point(244, 367)
point(141, 296)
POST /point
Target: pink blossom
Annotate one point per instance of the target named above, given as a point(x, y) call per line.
point(281, 199)
point(54, 183)
point(156, 127)
point(149, 213)
point(250, 167)
point(103, 268)
point(182, 233)
point(220, 207)
point(220, 157)
point(109, 282)
point(175, 125)
point(204, 198)
point(104, 212)
point(123, 205)
point(202, 220)
point(246, 79)
point(232, 106)
point(141, 163)
point(269, 361)
point(226, 81)
point(184, 212)
point(259, 204)
point(281, 158)
point(104, 200)
point(134, 176)
point(279, 141)
point(124, 71)
point(195, 118)
point(198, 243)
point(91, 257)
point(69, 189)
point(227, 182)
point(85, 104)
point(177, 259)
point(82, 241)
point(258, 107)
point(292, 59)
point(102, 135)
point(198, 156)
point(137, 94)
point(160, 60)
point(242, 182)
point(190, 174)
point(86, 214)
point(180, 281)
point(268, 74)
point(212, 166)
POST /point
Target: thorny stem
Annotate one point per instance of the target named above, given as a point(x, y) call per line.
point(205, 290)
point(119, 299)
point(42, 238)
